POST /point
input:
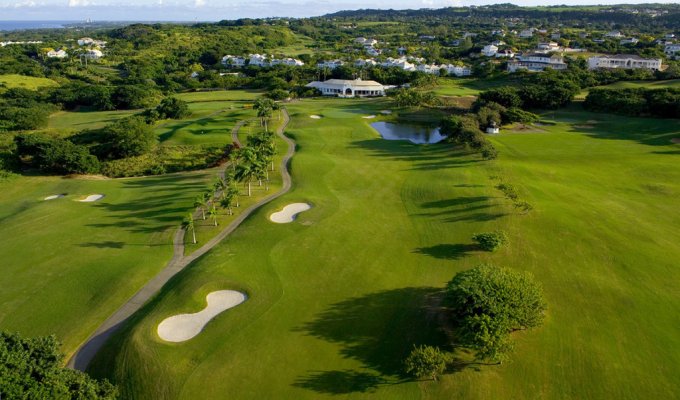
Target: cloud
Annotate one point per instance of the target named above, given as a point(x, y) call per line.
point(199, 3)
point(78, 3)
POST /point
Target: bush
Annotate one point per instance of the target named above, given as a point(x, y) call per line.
point(56, 155)
point(173, 108)
point(426, 362)
point(491, 241)
point(515, 114)
point(129, 137)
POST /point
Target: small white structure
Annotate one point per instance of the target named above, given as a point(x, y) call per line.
point(57, 54)
point(93, 54)
point(492, 128)
point(367, 62)
point(86, 41)
point(458, 70)
point(333, 64)
point(527, 33)
point(233, 61)
point(489, 50)
point(672, 50)
point(549, 46)
point(613, 34)
point(349, 88)
point(365, 42)
point(625, 61)
point(258, 60)
point(536, 62)
point(629, 41)
point(291, 62)
point(505, 54)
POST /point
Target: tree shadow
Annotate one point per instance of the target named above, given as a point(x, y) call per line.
point(379, 330)
point(341, 382)
point(104, 245)
point(447, 251)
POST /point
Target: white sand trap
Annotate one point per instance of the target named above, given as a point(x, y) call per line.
point(289, 212)
point(369, 117)
point(92, 198)
point(315, 116)
point(386, 112)
point(54, 196)
point(182, 327)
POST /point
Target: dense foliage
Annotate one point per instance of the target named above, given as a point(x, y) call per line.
point(488, 303)
point(31, 368)
point(664, 103)
point(465, 131)
point(426, 362)
point(491, 241)
point(55, 155)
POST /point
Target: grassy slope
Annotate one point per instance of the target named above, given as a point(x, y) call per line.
point(68, 265)
point(336, 298)
point(25, 82)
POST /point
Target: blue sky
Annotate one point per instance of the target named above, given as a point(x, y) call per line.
point(211, 10)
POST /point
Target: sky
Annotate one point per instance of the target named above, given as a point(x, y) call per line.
point(215, 10)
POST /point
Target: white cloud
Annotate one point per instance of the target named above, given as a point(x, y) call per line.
point(199, 3)
point(78, 3)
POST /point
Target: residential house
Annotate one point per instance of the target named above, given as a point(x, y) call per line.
point(330, 64)
point(365, 42)
point(625, 61)
point(507, 53)
point(614, 34)
point(93, 54)
point(457, 70)
point(489, 50)
point(628, 41)
point(57, 54)
point(258, 60)
point(527, 33)
point(536, 62)
point(672, 51)
point(364, 63)
point(548, 47)
point(233, 61)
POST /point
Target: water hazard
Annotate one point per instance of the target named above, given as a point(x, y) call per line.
point(416, 134)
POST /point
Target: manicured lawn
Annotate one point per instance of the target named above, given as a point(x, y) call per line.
point(671, 83)
point(68, 265)
point(25, 82)
point(468, 86)
point(338, 298)
point(75, 121)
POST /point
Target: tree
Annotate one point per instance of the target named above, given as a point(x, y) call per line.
point(130, 136)
point(201, 202)
point(31, 368)
point(213, 214)
point(426, 362)
point(188, 224)
point(264, 108)
point(491, 241)
point(489, 302)
point(245, 173)
point(173, 108)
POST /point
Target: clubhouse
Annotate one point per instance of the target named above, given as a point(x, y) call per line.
point(349, 88)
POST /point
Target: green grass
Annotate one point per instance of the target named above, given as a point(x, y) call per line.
point(74, 121)
point(68, 265)
point(337, 298)
point(671, 83)
point(25, 82)
point(468, 86)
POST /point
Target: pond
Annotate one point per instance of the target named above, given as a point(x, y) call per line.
point(416, 134)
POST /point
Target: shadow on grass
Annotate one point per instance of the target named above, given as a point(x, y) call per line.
point(447, 251)
point(104, 245)
point(379, 330)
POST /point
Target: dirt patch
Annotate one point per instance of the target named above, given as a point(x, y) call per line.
point(584, 126)
point(524, 128)
point(89, 177)
point(676, 140)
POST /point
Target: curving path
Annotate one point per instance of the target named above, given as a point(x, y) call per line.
point(82, 357)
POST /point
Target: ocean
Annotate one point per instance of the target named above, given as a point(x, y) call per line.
point(20, 25)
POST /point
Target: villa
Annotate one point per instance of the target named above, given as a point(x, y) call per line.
point(93, 54)
point(672, 50)
point(57, 54)
point(489, 50)
point(349, 88)
point(625, 61)
point(537, 62)
point(233, 61)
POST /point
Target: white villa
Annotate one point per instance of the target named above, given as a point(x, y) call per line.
point(87, 41)
point(672, 50)
point(527, 33)
point(536, 62)
point(363, 63)
point(57, 54)
point(333, 64)
point(349, 88)
point(489, 50)
point(547, 47)
point(626, 61)
point(292, 62)
point(613, 34)
point(365, 42)
point(233, 61)
point(629, 41)
point(505, 53)
point(93, 54)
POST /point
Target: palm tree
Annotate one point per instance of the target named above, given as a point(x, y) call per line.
point(188, 224)
point(245, 173)
point(221, 185)
point(213, 214)
point(264, 107)
point(232, 190)
point(227, 201)
point(202, 203)
point(233, 158)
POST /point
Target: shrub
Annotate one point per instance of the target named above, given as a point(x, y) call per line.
point(491, 241)
point(426, 362)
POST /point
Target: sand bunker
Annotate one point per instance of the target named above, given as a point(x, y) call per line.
point(386, 112)
point(369, 117)
point(289, 212)
point(315, 116)
point(54, 196)
point(182, 327)
point(91, 198)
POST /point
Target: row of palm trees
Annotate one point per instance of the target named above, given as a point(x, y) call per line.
point(250, 163)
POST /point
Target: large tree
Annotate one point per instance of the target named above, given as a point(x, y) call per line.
point(489, 302)
point(31, 368)
point(130, 137)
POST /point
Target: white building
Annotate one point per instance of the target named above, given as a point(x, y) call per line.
point(672, 50)
point(233, 61)
point(548, 47)
point(527, 33)
point(507, 53)
point(365, 42)
point(291, 62)
point(429, 69)
point(57, 54)
point(86, 41)
point(629, 41)
point(93, 54)
point(333, 64)
point(614, 34)
point(536, 62)
point(258, 60)
point(457, 70)
point(369, 62)
point(401, 63)
point(625, 61)
point(349, 88)
point(489, 50)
